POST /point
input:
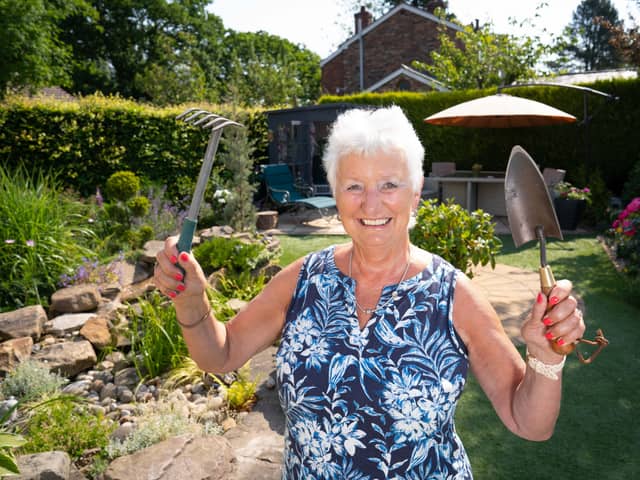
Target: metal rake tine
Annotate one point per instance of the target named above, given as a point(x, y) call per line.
point(195, 115)
point(186, 112)
point(220, 122)
point(226, 123)
point(204, 119)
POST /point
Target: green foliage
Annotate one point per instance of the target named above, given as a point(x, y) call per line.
point(185, 373)
point(480, 58)
point(86, 141)
point(138, 206)
point(239, 208)
point(234, 255)
point(625, 238)
point(37, 57)
point(156, 338)
point(464, 239)
point(30, 380)
point(564, 146)
point(241, 394)
point(585, 44)
point(631, 187)
point(156, 424)
point(43, 234)
point(120, 222)
point(122, 186)
point(8, 442)
point(65, 423)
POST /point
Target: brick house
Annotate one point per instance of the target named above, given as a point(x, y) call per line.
point(378, 56)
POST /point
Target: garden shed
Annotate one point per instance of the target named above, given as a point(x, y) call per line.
point(297, 137)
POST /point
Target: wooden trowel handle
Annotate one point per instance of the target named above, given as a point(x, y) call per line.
point(547, 282)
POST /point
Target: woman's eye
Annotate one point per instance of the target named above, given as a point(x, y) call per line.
point(389, 186)
point(354, 188)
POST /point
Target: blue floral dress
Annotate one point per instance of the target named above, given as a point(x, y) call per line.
point(377, 402)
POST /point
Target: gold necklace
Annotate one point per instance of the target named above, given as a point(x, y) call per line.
point(394, 294)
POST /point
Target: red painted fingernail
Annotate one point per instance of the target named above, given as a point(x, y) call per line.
point(560, 342)
point(178, 276)
point(547, 321)
point(172, 294)
point(184, 256)
point(549, 335)
point(554, 300)
point(181, 287)
point(173, 259)
point(540, 298)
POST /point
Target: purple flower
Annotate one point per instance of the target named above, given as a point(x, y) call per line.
point(30, 243)
point(99, 199)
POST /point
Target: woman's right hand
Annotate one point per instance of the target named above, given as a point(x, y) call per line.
point(177, 284)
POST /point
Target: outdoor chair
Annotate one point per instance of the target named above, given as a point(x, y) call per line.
point(440, 169)
point(284, 193)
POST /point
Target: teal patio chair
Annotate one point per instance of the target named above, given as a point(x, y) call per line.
point(283, 192)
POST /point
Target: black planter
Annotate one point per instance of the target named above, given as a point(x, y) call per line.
point(569, 212)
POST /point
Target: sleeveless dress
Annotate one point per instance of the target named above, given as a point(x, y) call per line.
point(377, 402)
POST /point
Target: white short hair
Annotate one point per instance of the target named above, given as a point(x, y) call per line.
point(365, 132)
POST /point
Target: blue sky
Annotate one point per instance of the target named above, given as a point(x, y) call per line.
point(320, 25)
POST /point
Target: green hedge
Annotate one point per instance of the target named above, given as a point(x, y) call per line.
point(88, 140)
point(612, 145)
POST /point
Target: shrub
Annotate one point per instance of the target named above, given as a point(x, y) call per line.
point(44, 233)
point(464, 239)
point(121, 186)
point(31, 380)
point(121, 220)
point(625, 233)
point(236, 256)
point(241, 394)
point(157, 423)
point(65, 423)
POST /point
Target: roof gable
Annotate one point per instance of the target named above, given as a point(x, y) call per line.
point(411, 73)
point(402, 6)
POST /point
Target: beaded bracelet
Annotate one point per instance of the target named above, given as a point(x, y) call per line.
point(544, 369)
point(191, 325)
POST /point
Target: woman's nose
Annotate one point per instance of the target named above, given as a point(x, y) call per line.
point(371, 199)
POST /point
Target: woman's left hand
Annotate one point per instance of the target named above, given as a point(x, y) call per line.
point(556, 318)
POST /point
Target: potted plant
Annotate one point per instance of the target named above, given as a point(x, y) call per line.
point(476, 168)
point(570, 202)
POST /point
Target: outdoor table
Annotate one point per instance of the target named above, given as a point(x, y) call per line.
point(484, 190)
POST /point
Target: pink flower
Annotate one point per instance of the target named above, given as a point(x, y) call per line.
point(9, 241)
point(30, 243)
point(634, 205)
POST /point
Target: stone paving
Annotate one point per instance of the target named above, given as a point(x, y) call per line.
point(258, 439)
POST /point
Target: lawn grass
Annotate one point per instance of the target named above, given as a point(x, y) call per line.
point(597, 435)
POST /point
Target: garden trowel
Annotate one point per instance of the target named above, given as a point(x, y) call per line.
point(532, 217)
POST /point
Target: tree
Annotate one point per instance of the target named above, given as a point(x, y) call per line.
point(479, 58)
point(626, 42)
point(585, 42)
point(269, 70)
point(32, 53)
point(141, 48)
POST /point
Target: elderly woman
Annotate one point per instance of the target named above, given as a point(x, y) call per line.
point(376, 334)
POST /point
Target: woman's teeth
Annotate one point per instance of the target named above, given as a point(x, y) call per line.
point(375, 222)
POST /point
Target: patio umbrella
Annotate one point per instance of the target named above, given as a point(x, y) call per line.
point(500, 111)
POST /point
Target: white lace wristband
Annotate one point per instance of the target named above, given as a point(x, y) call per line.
point(544, 369)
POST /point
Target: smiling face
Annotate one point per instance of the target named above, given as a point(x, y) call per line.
point(375, 198)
